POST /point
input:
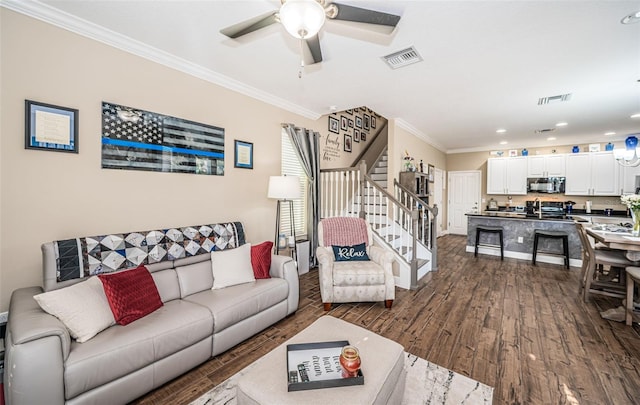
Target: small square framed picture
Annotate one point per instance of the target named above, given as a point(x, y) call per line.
point(50, 127)
point(347, 143)
point(350, 123)
point(363, 136)
point(334, 125)
point(513, 153)
point(243, 155)
point(356, 135)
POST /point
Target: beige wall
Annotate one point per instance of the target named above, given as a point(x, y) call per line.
point(478, 161)
point(401, 140)
point(48, 196)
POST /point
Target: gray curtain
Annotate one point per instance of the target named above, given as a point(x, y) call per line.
point(306, 144)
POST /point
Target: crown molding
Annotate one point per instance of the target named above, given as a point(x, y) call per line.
point(419, 134)
point(61, 19)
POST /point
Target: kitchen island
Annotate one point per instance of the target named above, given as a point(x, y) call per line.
point(518, 236)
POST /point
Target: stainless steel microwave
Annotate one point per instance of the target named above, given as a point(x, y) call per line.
point(548, 185)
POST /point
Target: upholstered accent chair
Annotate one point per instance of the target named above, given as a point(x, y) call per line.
point(352, 280)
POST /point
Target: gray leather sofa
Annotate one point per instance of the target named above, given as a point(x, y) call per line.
point(44, 365)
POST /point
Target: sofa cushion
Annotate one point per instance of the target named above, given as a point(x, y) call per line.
point(231, 267)
point(261, 259)
point(195, 277)
point(233, 304)
point(357, 273)
point(167, 284)
point(132, 294)
point(83, 308)
point(121, 350)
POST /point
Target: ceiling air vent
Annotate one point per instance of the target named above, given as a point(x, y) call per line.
point(402, 58)
point(554, 99)
point(544, 131)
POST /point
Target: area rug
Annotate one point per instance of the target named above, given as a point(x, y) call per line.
point(427, 383)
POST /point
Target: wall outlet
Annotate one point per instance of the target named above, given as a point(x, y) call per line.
point(3, 317)
point(520, 240)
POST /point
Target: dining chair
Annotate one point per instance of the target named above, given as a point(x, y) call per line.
point(598, 266)
point(633, 277)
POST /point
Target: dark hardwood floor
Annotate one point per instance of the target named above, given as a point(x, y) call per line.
point(521, 329)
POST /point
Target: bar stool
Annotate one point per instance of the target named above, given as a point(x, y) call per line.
point(541, 233)
point(489, 229)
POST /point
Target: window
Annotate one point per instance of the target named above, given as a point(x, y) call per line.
point(291, 167)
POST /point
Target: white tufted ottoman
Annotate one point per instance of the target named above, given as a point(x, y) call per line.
point(382, 367)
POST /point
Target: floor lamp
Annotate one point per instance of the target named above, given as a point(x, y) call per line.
point(284, 189)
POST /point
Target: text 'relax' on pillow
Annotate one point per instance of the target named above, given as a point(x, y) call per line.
point(132, 294)
point(83, 308)
point(261, 259)
point(350, 253)
point(232, 267)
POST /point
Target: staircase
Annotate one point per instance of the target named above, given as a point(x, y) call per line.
point(379, 170)
point(400, 223)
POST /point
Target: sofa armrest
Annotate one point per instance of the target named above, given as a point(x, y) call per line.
point(37, 345)
point(325, 272)
point(285, 267)
point(380, 256)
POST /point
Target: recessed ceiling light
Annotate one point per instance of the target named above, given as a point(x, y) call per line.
point(504, 143)
point(551, 138)
point(501, 131)
point(561, 124)
point(631, 18)
point(636, 115)
point(609, 133)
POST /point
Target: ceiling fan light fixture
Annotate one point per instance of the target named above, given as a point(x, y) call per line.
point(631, 18)
point(302, 18)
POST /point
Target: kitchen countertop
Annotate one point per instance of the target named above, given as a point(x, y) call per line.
point(575, 216)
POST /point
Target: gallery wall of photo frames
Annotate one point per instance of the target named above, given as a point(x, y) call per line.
point(355, 125)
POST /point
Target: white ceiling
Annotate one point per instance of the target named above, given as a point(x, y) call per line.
point(486, 63)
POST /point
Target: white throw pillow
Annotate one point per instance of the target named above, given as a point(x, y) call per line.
point(83, 308)
point(231, 267)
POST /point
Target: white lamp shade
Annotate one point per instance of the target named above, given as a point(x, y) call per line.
point(284, 187)
point(302, 18)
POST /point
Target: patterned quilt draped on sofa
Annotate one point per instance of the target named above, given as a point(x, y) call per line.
point(90, 255)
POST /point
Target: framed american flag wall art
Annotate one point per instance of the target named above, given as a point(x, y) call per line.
point(134, 139)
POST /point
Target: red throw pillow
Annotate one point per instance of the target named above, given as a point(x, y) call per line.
point(132, 294)
point(261, 259)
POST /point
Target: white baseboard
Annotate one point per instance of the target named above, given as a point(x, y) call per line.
point(540, 257)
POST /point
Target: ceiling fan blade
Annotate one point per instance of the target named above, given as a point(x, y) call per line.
point(313, 44)
point(363, 15)
point(254, 24)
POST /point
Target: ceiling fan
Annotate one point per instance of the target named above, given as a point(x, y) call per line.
point(303, 19)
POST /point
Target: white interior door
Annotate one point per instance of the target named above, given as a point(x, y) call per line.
point(464, 196)
point(438, 186)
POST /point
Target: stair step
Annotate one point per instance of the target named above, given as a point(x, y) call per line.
point(422, 262)
point(378, 176)
point(380, 170)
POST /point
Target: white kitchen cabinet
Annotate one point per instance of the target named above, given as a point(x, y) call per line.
point(546, 166)
point(595, 173)
point(628, 181)
point(507, 175)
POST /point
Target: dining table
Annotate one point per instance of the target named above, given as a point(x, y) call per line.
point(621, 238)
point(616, 237)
